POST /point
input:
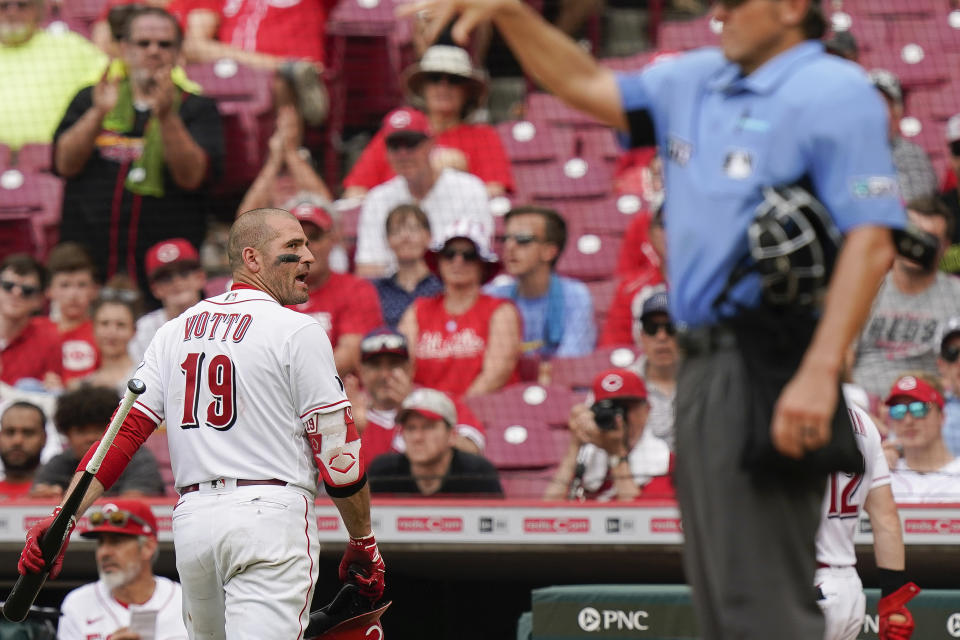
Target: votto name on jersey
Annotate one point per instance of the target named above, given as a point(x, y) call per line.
point(213, 326)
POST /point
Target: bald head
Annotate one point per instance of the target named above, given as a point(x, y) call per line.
point(252, 229)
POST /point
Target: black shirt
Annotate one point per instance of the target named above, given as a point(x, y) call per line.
point(468, 473)
point(116, 225)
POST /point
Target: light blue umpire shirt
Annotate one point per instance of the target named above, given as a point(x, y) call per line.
point(804, 114)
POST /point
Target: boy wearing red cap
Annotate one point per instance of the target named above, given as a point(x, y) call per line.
point(610, 457)
point(128, 601)
point(925, 471)
point(177, 280)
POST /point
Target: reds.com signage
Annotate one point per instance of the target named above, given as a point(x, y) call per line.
point(429, 525)
point(556, 525)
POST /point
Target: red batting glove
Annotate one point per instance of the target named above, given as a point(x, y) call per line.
point(364, 553)
point(31, 558)
point(895, 604)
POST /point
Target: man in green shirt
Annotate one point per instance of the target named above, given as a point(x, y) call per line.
point(40, 71)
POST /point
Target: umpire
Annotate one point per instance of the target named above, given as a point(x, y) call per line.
point(769, 108)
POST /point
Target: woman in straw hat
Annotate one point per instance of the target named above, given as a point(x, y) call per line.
point(447, 87)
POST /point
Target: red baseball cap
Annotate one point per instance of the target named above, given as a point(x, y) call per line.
point(915, 389)
point(309, 212)
point(169, 252)
point(618, 383)
point(405, 120)
point(125, 516)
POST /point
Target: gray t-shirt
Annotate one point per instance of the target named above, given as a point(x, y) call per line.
point(901, 332)
point(660, 420)
point(141, 474)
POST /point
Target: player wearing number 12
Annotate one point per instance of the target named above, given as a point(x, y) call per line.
point(254, 409)
point(841, 592)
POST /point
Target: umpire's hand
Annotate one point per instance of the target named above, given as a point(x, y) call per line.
point(804, 412)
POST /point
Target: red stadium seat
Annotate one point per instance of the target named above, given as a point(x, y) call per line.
point(569, 178)
point(4, 157)
point(597, 143)
point(524, 444)
point(526, 141)
point(936, 103)
point(526, 483)
point(610, 215)
point(543, 107)
point(524, 402)
point(601, 292)
point(630, 63)
point(689, 34)
point(39, 197)
point(35, 157)
point(916, 65)
point(578, 373)
point(244, 98)
point(18, 234)
point(933, 33)
point(893, 8)
point(81, 14)
point(589, 256)
point(870, 32)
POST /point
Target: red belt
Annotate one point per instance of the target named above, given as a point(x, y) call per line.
point(820, 565)
point(240, 483)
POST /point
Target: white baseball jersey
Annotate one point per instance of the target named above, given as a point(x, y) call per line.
point(942, 485)
point(847, 493)
point(91, 613)
point(242, 382)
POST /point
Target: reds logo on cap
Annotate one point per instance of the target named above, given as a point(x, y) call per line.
point(400, 119)
point(907, 383)
point(168, 252)
point(612, 383)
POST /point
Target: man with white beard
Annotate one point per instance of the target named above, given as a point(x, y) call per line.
point(128, 602)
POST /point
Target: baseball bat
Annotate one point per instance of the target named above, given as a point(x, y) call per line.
point(27, 587)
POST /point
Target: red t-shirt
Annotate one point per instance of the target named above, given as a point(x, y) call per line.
point(12, 490)
point(618, 328)
point(289, 29)
point(344, 304)
point(80, 354)
point(450, 348)
point(35, 352)
point(486, 157)
point(637, 254)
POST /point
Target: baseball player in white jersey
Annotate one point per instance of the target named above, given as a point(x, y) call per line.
point(841, 592)
point(254, 409)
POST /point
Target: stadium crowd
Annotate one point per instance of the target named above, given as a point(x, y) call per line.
point(469, 271)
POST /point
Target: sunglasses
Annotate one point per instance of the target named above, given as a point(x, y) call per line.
point(384, 342)
point(955, 147)
point(520, 238)
point(917, 410)
point(21, 5)
point(652, 327)
point(26, 290)
point(468, 255)
point(395, 143)
point(117, 519)
point(166, 45)
point(436, 77)
point(950, 354)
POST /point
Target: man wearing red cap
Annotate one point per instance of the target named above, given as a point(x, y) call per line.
point(129, 602)
point(347, 307)
point(924, 470)
point(177, 280)
point(611, 455)
point(446, 195)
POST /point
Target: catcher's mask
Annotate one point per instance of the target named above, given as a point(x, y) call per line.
point(349, 616)
point(794, 244)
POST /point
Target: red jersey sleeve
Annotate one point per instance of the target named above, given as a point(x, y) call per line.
point(372, 168)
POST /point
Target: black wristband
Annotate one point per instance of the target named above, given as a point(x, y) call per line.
point(890, 580)
point(347, 491)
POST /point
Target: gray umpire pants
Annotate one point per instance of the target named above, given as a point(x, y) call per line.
point(748, 543)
